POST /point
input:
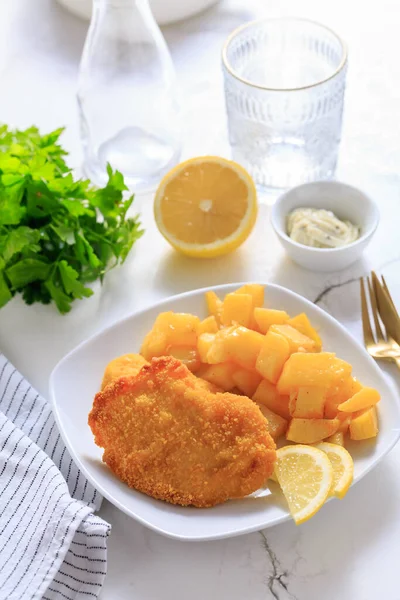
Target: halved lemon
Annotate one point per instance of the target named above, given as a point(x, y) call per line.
point(305, 475)
point(343, 467)
point(206, 206)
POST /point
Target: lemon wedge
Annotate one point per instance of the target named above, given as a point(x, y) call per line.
point(206, 206)
point(305, 475)
point(343, 467)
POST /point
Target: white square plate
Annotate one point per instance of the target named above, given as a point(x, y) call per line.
point(76, 379)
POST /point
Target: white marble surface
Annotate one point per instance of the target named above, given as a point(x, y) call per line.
point(350, 550)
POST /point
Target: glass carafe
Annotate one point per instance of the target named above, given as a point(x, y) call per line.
point(127, 96)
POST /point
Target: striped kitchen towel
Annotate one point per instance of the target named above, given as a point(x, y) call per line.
point(52, 546)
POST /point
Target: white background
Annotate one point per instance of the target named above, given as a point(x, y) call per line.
point(350, 550)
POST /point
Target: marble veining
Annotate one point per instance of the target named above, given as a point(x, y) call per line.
point(331, 287)
point(278, 580)
point(341, 284)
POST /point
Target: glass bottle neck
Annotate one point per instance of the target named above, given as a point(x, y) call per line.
point(140, 7)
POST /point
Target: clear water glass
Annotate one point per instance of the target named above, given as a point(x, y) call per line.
point(284, 87)
point(127, 96)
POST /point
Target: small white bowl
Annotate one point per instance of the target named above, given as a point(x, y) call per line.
point(346, 202)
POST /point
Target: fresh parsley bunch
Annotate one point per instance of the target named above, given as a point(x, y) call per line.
point(57, 234)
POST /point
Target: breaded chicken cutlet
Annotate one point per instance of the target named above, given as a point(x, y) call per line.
point(166, 435)
point(130, 365)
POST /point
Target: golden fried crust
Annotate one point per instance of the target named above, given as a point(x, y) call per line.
point(166, 435)
point(127, 364)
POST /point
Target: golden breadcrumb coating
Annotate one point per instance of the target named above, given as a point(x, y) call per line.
point(165, 434)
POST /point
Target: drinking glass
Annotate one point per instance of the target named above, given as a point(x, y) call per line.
point(284, 86)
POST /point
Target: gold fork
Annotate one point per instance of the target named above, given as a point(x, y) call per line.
point(380, 345)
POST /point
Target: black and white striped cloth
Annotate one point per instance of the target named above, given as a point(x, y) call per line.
point(52, 546)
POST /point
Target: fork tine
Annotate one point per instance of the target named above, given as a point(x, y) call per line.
point(367, 331)
point(374, 308)
point(387, 313)
point(384, 284)
point(388, 293)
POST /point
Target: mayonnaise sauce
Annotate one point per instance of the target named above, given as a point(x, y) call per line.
point(320, 228)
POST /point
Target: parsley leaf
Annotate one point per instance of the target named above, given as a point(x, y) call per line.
point(20, 239)
point(69, 278)
point(27, 270)
point(62, 300)
point(56, 233)
point(11, 210)
point(5, 293)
